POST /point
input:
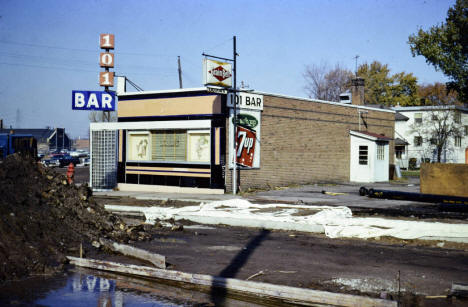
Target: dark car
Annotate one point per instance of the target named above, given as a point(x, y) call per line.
point(65, 160)
point(61, 161)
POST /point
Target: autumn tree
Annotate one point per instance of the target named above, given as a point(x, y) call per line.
point(325, 83)
point(436, 94)
point(446, 47)
point(385, 89)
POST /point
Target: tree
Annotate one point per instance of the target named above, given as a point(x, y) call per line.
point(437, 127)
point(436, 94)
point(385, 89)
point(325, 83)
point(102, 116)
point(446, 47)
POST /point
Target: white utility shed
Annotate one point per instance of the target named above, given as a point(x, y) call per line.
point(369, 157)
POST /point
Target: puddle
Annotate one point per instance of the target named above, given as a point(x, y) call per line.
point(83, 287)
point(78, 289)
point(90, 290)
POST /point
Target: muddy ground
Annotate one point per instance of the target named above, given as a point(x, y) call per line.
point(377, 268)
point(43, 219)
point(312, 261)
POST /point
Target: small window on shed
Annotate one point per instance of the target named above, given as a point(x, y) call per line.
point(363, 153)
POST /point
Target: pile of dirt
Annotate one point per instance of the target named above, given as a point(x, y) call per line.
point(44, 219)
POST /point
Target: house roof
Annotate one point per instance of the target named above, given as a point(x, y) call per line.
point(38, 134)
point(370, 135)
point(399, 141)
point(430, 108)
point(41, 135)
point(400, 117)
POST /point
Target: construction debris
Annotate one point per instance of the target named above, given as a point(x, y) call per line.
point(44, 218)
point(300, 296)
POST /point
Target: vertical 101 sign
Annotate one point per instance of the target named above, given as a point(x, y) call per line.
point(106, 60)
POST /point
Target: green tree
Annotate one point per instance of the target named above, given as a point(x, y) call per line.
point(446, 47)
point(385, 89)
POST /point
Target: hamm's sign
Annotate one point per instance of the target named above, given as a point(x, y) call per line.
point(245, 100)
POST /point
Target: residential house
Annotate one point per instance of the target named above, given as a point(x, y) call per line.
point(417, 132)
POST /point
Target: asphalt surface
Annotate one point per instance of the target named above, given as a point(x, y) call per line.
point(375, 267)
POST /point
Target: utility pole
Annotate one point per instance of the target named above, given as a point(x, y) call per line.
point(234, 102)
point(180, 72)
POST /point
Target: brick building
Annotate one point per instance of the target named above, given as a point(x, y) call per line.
point(183, 138)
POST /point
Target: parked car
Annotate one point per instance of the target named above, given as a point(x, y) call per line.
point(52, 162)
point(61, 161)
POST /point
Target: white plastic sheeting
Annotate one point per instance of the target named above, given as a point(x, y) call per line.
point(335, 222)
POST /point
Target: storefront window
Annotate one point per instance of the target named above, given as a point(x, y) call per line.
point(199, 146)
point(169, 146)
point(139, 146)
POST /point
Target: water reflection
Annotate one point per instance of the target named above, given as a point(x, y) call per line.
point(89, 290)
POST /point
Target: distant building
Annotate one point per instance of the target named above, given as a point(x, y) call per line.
point(81, 144)
point(48, 140)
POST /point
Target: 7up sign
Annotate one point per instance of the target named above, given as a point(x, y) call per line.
point(245, 144)
point(217, 73)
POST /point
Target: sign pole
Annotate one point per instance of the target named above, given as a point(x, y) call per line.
point(234, 102)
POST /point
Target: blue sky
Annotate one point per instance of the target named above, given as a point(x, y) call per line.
point(50, 47)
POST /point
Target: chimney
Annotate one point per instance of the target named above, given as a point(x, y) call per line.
point(357, 91)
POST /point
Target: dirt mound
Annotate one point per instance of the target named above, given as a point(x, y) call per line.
point(43, 219)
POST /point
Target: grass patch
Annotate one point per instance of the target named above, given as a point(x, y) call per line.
point(409, 173)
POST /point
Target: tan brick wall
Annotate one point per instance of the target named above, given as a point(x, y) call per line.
point(307, 142)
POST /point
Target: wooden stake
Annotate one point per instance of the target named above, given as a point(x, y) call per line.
point(159, 261)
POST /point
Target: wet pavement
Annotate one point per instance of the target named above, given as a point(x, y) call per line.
point(344, 195)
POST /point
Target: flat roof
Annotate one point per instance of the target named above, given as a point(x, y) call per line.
point(198, 89)
point(429, 108)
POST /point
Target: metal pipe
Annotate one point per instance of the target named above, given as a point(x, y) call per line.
point(419, 197)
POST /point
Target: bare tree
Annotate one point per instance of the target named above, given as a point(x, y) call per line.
point(325, 83)
point(100, 116)
point(437, 127)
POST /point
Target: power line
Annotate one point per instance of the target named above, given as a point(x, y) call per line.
point(48, 67)
point(82, 50)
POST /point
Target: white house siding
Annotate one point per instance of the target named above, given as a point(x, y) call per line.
point(451, 154)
